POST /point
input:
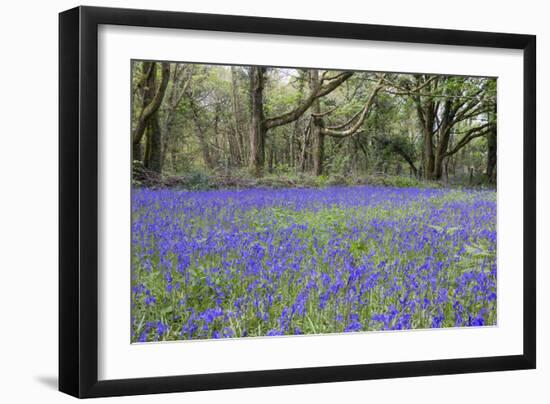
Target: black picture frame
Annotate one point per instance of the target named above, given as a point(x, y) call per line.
point(78, 201)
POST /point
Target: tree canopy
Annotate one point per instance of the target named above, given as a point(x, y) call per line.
point(258, 120)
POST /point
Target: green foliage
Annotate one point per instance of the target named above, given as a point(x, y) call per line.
point(197, 180)
point(400, 181)
point(205, 124)
point(449, 219)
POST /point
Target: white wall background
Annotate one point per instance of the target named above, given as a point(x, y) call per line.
point(28, 199)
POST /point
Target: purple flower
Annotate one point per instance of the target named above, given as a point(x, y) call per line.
point(215, 264)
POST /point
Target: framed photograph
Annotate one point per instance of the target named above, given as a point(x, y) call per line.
point(251, 201)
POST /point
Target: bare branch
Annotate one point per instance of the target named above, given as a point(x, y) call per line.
point(333, 77)
point(325, 113)
point(153, 106)
point(344, 133)
point(404, 91)
point(469, 135)
point(304, 106)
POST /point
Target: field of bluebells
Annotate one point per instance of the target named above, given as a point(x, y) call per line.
point(265, 262)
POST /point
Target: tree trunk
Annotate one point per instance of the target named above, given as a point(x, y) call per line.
point(257, 129)
point(202, 134)
point(271, 154)
point(181, 80)
point(152, 99)
point(426, 112)
point(429, 158)
point(316, 125)
point(154, 145)
point(303, 152)
point(237, 115)
point(444, 136)
point(148, 95)
point(174, 159)
point(318, 149)
point(492, 156)
point(291, 150)
point(438, 168)
point(168, 136)
point(136, 152)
